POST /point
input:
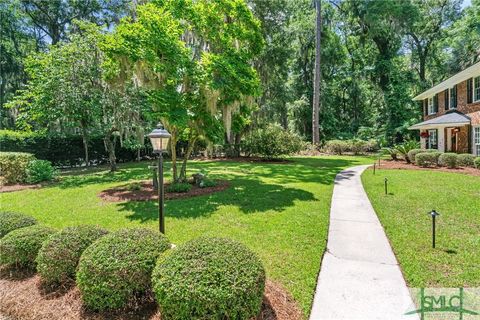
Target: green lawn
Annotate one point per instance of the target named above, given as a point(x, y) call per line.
point(278, 210)
point(404, 214)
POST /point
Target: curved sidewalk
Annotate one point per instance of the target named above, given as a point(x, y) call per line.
point(359, 278)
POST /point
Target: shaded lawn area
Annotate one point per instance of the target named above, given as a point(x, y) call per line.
point(404, 215)
point(278, 210)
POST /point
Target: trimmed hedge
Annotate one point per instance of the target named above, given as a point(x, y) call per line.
point(116, 269)
point(476, 162)
point(13, 166)
point(466, 160)
point(337, 146)
point(412, 153)
point(58, 258)
point(209, 278)
point(10, 221)
point(64, 150)
point(427, 159)
point(448, 159)
point(20, 247)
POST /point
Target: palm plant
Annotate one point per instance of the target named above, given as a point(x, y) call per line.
point(405, 147)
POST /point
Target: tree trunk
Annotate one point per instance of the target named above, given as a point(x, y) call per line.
point(317, 76)
point(85, 144)
point(183, 170)
point(110, 145)
point(173, 150)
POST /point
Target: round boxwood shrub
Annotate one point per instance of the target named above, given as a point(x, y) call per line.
point(209, 278)
point(20, 247)
point(40, 170)
point(412, 153)
point(117, 268)
point(58, 258)
point(448, 159)
point(10, 221)
point(427, 159)
point(465, 160)
point(476, 162)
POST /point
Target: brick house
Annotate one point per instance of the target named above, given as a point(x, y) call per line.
point(451, 114)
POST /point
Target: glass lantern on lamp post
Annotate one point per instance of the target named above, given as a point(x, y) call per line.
point(159, 138)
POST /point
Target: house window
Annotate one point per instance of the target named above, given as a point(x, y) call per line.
point(431, 108)
point(432, 142)
point(476, 140)
point(453, 97)
point(476, 89)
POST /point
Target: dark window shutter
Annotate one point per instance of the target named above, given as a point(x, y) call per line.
point(435, 103)
point(455, 97)
point(425, 107)
point(469, 90)
point(446, 99)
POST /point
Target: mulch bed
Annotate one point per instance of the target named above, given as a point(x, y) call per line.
point(25, 299)
point(146, 192)
point(402, 165)
point(18, 187)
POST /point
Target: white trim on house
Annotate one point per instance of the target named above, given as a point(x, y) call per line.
point(476, 89)
point(476, 140)
point(431, 109)
point(472, 71)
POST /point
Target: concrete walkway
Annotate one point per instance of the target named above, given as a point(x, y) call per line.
point(360, 277)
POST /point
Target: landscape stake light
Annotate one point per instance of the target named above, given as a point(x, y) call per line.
point(433, 213)
point(374, 167)
point(159, 138)
point(386, 186)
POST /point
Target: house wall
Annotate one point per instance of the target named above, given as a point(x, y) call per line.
point(462, 105)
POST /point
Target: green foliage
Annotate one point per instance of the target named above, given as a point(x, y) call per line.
point(58, 257)
point(448, 159)
point(412, 153)
point(476, 162)
point(392, 152)
point(19, 248)
point(337, 146)
point(63, 150)
point(404, 148)
point(209, 278)
point(427, 159)
point(272, 142)
point(207, 183)
point(13, 166)
point(116, 269)
point(40, 170)
point(180, 187)
point(355, 146)
point(466, 160)
point(10, 221)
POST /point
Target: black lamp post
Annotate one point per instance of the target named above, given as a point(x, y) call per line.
point(434, 214)
point(159, 138)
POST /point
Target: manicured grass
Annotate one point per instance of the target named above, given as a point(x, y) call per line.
point(278, 210)
point(404, 214)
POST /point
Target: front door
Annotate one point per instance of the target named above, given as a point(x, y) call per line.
point(451, 140)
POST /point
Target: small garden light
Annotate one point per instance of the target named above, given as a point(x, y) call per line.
point(159, 138)
point(386, 186)
point(374, 167)
point(434, 214)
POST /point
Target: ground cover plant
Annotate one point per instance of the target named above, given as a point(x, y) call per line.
point(266, 205)
point(404, 215)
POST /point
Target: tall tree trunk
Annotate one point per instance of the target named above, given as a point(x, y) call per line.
point(85, 144)
point(183, 170)
point(317, 77)
point(110, 146)
point(173, 150)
